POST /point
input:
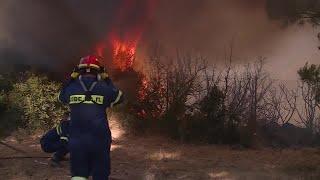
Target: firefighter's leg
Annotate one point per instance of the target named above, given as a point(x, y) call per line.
point(60, 154)
point(79, 178)
point(101, 163)
point(49, 146)
point(79, 160)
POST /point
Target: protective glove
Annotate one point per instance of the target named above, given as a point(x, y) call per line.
point(104, 75)
point(75, 73)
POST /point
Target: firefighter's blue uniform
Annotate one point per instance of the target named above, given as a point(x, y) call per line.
point(90, 136)
point(56, 141)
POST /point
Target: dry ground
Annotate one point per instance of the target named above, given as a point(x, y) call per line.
point(159, 158)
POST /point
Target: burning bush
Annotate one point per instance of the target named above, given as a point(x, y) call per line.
point(165, 95)
point(188, 100)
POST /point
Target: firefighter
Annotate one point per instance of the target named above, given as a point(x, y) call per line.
point(56, 141)
point(89, 94)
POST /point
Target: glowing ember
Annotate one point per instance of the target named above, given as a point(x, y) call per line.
point(143, 89)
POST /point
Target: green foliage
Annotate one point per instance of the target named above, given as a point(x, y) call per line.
point(8, 116)
point(2, 102)
point(5, 84)
point(213, 108)
point(36, 98)
point(310, 74)
point(10, 120)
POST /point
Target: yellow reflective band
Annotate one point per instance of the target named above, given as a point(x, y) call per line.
point(88, 102)
point(97, 99)
point(64, 138)
point(78, 178)
point(58, 129)
point(59, 97)
point(76, 99)
point(117, 99)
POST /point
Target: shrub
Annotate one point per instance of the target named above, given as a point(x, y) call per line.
point(10, 120)
point(36, 98)
point(192, 102)
point(9, 116)
point(214, 110)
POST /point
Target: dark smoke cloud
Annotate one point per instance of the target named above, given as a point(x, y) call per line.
point(208, 26)
point(292, 11)
point(54, 34)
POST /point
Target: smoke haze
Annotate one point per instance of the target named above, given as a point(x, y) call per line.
point(55, 34)
point(210, 27)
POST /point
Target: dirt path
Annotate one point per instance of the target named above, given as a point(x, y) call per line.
point(159, 158)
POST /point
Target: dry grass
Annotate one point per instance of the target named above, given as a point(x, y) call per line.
point(159, 158)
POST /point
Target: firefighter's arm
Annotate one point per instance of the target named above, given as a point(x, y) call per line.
point(62, 97)
point(118, 100)
point(117, 96)
point(62, 132)
point(105, 77)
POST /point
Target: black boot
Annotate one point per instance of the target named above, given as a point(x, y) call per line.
point(55, 161)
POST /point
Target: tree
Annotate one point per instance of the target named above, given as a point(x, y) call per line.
point(310, 92)
point(244, 89)
point(216, 125)
point(310, 74)
point(281, 105)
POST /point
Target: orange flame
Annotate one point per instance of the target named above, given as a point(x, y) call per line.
point(123, 53)
point(128, 26)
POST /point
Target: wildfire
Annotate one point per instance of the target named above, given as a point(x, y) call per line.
point(129, 23)
point(123, 54)
point(120, 46)
point(143, 89)
point(142, 95)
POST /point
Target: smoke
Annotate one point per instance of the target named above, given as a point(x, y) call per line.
point(52, 34)
point(212, 27)
point(55, 34)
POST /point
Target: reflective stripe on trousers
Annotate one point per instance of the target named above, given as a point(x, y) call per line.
point(78, 178)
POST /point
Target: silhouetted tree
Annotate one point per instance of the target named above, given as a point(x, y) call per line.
point(309, 112)
point(310, 74)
